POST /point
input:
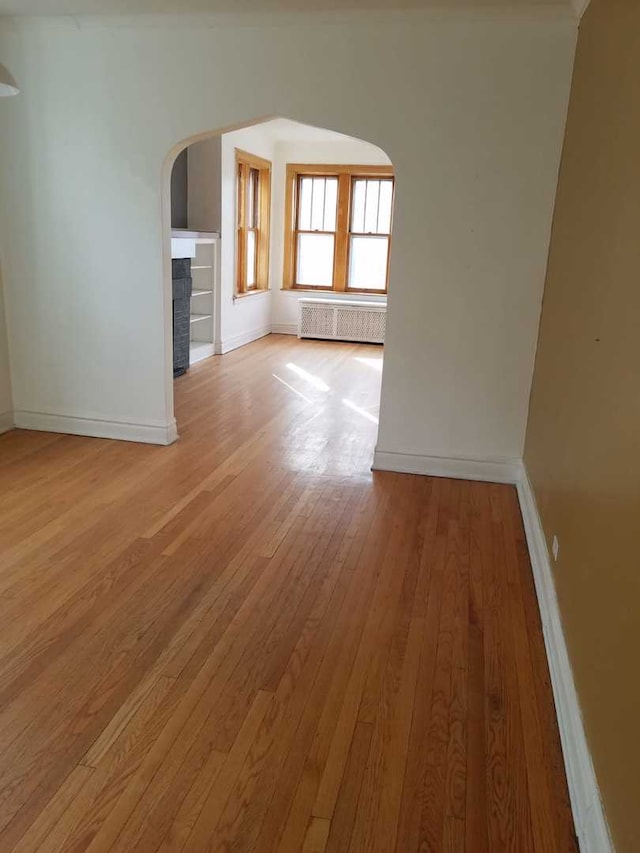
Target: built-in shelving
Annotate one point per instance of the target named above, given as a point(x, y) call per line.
point(203, 273)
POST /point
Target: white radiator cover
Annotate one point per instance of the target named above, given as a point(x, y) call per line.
point(341, 320)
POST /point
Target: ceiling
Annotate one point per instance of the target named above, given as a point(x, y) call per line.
point(285, 130)
point(129, 7)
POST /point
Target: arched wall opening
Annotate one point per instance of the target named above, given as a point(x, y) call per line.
point(237, 321)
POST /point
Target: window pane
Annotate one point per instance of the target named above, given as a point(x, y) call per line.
point(315, 260)
point(384, 209)
point(251, 258)
point(368, 263)
point(248, 204)
point(357, 206)
point(371, 207)
point(317, 204)
point(240, 190)
point(255, 180)
point(304, 204)
point(330, 204)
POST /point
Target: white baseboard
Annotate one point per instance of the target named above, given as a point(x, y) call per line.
point(200, 352)
point(284, 328)
point(146, 433)
point(6, 421)
point(588, 813)
point(488, 470)
point(240, 340)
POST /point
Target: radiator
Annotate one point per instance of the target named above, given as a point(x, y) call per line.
point(339, 320)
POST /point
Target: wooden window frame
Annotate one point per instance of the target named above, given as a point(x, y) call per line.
point(345, 175)
point(245, 163)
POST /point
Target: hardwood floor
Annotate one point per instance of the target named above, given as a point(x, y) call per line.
point(248, 642)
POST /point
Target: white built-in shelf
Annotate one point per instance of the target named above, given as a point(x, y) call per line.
point(204, 269)
point(200, 236)
point(184, 243)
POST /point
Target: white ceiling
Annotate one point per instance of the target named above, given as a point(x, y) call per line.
point(129, 7)
point(285, 130)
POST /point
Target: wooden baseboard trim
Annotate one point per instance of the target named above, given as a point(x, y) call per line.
point(6, 421)
point(487, 470)
point(586, 804)
point(145, 433)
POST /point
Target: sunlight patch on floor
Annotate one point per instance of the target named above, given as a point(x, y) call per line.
point(291, 388)
point(308, 377)
point(375, 363)
point(363, 412)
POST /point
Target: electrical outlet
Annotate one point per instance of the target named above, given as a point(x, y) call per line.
point(555, 547)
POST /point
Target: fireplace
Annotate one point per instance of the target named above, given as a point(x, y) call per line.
point(182, 287)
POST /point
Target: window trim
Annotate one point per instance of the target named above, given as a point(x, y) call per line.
point(345, 175)
point(244, 163)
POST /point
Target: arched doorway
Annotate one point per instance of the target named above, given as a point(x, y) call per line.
point(342, 259)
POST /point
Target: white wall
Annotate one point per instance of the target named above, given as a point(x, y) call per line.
point(204, 185)
point(6, 401)
point(246, 318)
point(470, 111)
point(180, 191)
point(284, 308)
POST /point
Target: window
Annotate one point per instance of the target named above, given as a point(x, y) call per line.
point(316, 215)
point(338, 228)
point(253, 211)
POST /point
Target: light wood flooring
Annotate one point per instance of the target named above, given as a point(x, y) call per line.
point(248, 642)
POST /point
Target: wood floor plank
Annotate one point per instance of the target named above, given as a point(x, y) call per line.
point(376, 823)
point(433, 805)
point(183, 819)
point(324, 645)
point(53, 820)
point(476, 832)
point(409, 827)
point(456, 763)
point(292, 801)
point(509, 813)
point(341, 828)
point(215, 803)
point(386, 595)
point(315, 840)
point(248, 641)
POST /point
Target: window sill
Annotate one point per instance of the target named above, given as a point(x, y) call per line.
point(321, 291)
point(251, 293)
